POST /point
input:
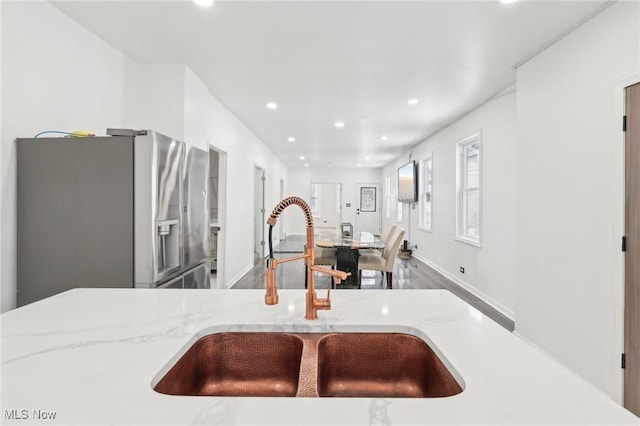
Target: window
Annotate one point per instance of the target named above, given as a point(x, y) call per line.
point(314, 204)
point(468, 201)
point(426, 192)
point(387, 195)
point(316, 200)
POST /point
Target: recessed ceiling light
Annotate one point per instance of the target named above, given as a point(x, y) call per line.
point(291, 139)
point(359, 165)
point(272, 105)
point(508, 1)
point(302, 157)
point(366, 158)
point(412, 101)
point(339, 124)
point(204, 3)
point(384, 138)
point(306, 164)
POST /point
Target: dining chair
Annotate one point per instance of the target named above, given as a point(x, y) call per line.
point(385, 237)
point(388, 231)
point(382, 263)
point(323, 257)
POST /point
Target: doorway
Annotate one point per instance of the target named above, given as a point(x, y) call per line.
point(368, 214)
point(259, 221)
point(282, 235)
point(217, 214)
point(631, 355)
point(325, 204)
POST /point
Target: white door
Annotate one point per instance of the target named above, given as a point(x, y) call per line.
point(632, 253)
point(282, 231)
point(368, 215)
point(218, 174)
point(259, 220)
point(325, 206)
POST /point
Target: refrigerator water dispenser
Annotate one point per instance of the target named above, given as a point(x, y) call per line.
point(168, 243)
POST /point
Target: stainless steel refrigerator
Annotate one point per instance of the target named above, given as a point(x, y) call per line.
point(126, 210)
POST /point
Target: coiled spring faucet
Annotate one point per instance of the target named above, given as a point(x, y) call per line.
point(313, 302)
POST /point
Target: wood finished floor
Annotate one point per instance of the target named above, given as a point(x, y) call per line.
point(407, 274)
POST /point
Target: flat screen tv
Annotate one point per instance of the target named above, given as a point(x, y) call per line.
point(408, 183)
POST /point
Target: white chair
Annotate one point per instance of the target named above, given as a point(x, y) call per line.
point(385, 237)
point(387, 232)
point(383, 263)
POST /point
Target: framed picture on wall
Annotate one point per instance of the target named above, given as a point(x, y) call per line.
point(367, 199)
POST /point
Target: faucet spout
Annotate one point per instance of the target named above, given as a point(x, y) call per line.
point(337, 275)
point(313, 302)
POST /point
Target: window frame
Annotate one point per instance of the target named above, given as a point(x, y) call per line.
point(462, 189)
point(427, 179)
point(387, 195)
point(315, 199)
point(399, 211)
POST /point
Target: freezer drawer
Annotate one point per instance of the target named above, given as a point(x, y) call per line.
point(198, 277)
point(174, 283)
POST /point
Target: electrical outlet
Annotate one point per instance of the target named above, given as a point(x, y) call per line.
point(462, 269)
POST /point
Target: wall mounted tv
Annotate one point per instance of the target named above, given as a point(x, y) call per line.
point(408, 183)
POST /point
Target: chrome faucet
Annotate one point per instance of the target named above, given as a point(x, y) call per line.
point(314, 303)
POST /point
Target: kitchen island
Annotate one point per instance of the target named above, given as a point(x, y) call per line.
point(92, 357)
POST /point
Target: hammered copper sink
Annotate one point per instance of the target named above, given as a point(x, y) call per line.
point(382, 365)
point(237, 364)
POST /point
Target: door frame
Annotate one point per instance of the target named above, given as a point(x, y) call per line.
point(618, 230)
point(260, 173)
point(282, 234)
point(378, 187)
point(338, 188)
point(222, 215)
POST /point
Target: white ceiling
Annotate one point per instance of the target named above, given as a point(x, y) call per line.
point(323, 61)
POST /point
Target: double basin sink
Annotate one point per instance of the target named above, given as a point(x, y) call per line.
point(283, 364)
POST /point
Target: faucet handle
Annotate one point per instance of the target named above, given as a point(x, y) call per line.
point(336, 280)
point(339, 276)
point(324, 303)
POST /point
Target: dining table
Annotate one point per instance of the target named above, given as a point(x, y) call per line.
point(348, 252)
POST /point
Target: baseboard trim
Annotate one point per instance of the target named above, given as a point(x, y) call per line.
point(471, 289)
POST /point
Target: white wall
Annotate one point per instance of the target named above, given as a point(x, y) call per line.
point(243, 151)
point(57, 75)
point(2, 203)
point(489, 269)
point(301, 178)
point(570, 170)
point(203, 121)
point(159, 100)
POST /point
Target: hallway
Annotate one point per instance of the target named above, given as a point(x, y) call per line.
point(408, 274)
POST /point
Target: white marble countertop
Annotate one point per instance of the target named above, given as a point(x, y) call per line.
point(91, 357)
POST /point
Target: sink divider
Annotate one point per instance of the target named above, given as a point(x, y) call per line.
point(307, 383)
